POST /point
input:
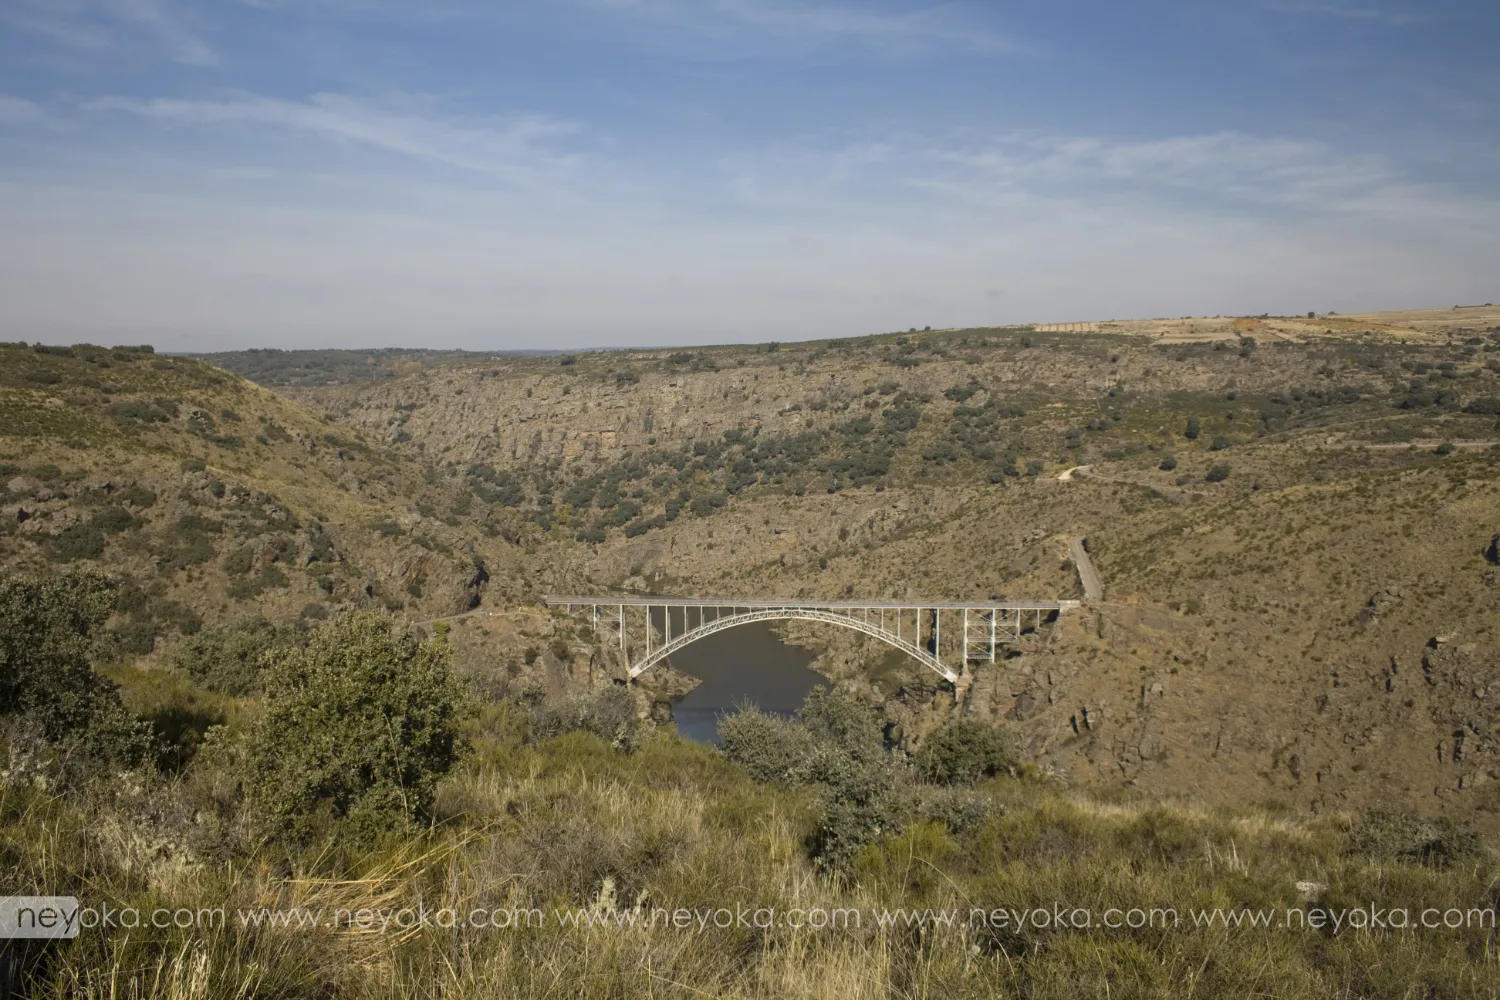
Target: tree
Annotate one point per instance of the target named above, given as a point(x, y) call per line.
point(360, 726)
point(47, 686)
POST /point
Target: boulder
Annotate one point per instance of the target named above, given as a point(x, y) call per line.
point(1027, 705)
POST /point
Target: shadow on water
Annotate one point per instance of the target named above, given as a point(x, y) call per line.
point(744, 664)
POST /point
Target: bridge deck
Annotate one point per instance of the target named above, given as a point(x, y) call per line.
point(782, 602)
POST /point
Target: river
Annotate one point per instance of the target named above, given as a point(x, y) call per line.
point(746, 664)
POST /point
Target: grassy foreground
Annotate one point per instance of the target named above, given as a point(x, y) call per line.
point(570, 823)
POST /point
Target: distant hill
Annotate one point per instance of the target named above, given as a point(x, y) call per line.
point(303, 369)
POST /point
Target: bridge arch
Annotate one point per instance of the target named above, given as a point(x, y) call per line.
point(720, 624)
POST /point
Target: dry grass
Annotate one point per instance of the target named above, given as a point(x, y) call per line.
point(573, 825)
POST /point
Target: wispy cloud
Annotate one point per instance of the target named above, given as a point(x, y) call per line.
point(16, 110)
point(1354, 12)
point(516, 148)
point(1230, 165)
point(1214, 176)
point(113, 24)
point(750, 24)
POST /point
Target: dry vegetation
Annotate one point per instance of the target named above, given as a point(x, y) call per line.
point(1285, 699)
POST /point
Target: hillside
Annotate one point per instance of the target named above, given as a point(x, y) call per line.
point(210, 496)
point(1311, 628)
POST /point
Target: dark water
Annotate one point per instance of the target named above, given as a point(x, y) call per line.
point(744, 664)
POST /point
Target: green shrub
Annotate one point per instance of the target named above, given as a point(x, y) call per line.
point(269, 578)
point(964, 751)
point(48, 632)
point(230, 658)
point(178, 615)
point(112, 520)
point(772, 749)
point(186, 542)
point(857, 802)
point(137, 496)
point(78, 541)
point(957, 809)
point(238, 562)
point(1217, 474)
point(1194, 426)
point(637, 528)
point(360, 726)
point(1219, 443)
point(705, 505)
point(136, 637)
point(135, 412)
point(1168, 463)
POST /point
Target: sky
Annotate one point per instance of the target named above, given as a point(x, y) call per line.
point(221, 174)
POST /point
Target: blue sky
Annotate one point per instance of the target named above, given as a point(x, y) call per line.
point(286, 173)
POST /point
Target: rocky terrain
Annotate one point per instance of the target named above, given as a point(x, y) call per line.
point(1293, 519)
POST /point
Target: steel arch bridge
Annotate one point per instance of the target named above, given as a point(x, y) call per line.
point(651, 629)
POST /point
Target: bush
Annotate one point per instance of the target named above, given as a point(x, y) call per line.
point(48, 632)
point(137, 496)
point(80, 541)
point(705, 505)
point(136, 637)
point(238, 562)
point(360, 726)
point(230, 658)
point(269, 578)
point(772, 749)
point(608, 713)
point(138, 412)
point(112, 520)
point(1219, 443)
point(1484, 404)
point(1388, 835)
point(644, 525)
point(1217, 474)
point(1168, 463)
point(958, 809)
point(1193, 428)
point(965, 750)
